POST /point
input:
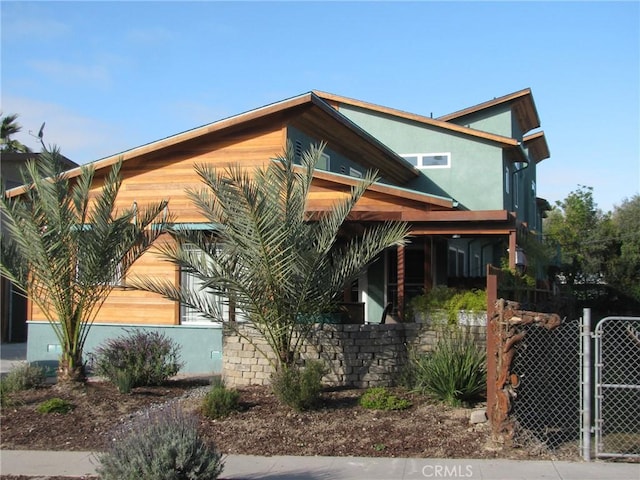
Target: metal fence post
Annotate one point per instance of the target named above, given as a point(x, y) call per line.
point(585, 384)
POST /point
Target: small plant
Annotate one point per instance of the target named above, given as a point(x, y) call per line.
point(164, 445)
point(24, 376)
point(299, 388)
point(55, 405)
point(220, 401)
point(141, 358)
point(454, 372)
point(379, 398)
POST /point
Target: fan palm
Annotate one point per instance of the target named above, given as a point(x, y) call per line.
point(9, 126)
point(64, 245)
point(279, 268)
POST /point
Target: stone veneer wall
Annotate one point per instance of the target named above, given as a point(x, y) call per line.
point(358, 356)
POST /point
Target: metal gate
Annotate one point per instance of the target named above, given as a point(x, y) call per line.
point(617, 387)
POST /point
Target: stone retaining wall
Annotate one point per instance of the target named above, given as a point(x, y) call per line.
point(358, 356)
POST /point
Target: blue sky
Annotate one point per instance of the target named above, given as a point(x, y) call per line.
point(109, 76)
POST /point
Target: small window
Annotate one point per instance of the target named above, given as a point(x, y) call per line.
point(507, 179)
point(428, 160)
point(355, 173)
point(324, 162)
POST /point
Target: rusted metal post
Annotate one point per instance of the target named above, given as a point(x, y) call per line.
point(492, 296)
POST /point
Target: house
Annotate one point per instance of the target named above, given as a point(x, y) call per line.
point(13, 305)
point(465, 182)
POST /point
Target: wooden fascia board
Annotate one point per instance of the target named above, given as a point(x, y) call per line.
point(522, 99)
point(488, 222)
point(285, 107)
point(217, 126)
point(336, 100)
point(394, 166)
point(460, 216)
point(537, 144)
point(386, 189)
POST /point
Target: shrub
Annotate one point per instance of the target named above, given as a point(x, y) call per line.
point(299, 388)
point(449, 300)
point(141, 358)
point(379, 398)
point(220, 401)
point(24, 376)
point(55, 405)
point(164, 445)
point(455, 372)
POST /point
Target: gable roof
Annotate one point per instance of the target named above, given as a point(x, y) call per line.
point(308, 113)
point(521, 102)
point(336, 100)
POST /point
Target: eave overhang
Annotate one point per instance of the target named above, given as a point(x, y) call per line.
point(307, 112)
point(536, 145)
point(336, 100)
point(482, 222)
point(522, 105)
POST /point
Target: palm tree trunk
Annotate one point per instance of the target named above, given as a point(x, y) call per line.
point(71, 368)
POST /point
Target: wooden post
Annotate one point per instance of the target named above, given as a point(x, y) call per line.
point(512, 249)
point(401, 282)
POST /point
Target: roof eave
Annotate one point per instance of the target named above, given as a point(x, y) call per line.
point(437, 123)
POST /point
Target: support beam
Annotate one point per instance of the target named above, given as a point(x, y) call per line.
point(512, 249)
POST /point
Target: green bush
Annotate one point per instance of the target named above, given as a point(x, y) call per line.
point(299, 388)
point(55, 405)
point(164, 445)
point(454, 372)
point(379, 398)
point(220, 401)
point(23, 376)
point(450, 300)
point(140, 358)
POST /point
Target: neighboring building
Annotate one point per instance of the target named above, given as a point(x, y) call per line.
point(465, 182)
point(13, 305)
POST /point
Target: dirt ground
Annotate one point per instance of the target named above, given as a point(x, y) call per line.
point(263, 427)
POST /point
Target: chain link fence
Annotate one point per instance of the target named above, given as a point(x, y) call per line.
point(617, 385)
point(546, 408)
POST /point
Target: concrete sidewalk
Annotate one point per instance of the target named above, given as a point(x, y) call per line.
point(43, 464)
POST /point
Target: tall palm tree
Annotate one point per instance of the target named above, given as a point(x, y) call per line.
point(8, 127)
point(64, 246)
point(274, 264)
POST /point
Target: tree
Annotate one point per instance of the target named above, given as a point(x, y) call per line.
point(64, 246)
point(277, 267)
point(9, 127)
point(578, 228)
point(623, 267)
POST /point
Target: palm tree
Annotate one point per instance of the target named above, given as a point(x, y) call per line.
point(9, 127)
point(276, 266)
point(64, 246)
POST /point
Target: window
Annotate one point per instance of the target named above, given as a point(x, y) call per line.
point(507, 179)
point(218, 303)
point(355, 173)
point(324, 162)
point(428, 160)
point(456, 262)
